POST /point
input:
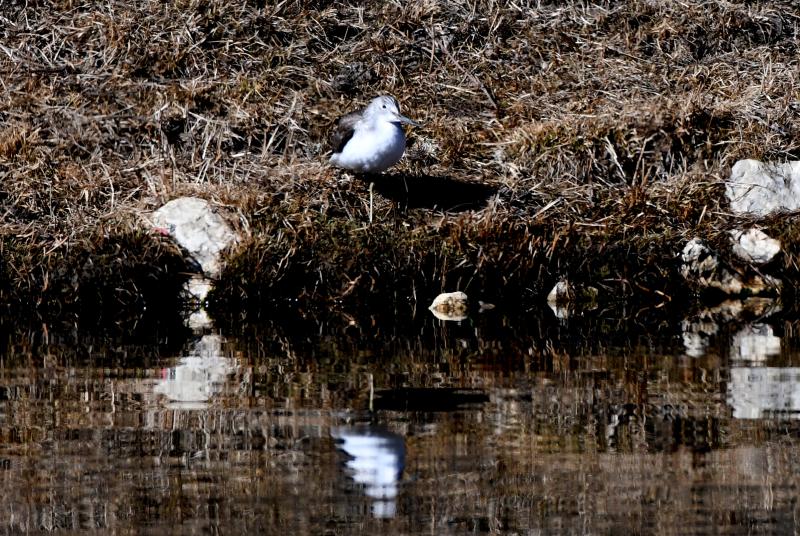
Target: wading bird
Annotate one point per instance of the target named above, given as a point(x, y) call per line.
point(370, 140)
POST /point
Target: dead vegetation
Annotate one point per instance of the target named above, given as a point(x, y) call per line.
point(575, 139)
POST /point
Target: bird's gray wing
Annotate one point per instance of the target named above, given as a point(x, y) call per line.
point(344, 131)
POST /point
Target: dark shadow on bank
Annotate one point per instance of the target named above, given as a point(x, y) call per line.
point(430, 191)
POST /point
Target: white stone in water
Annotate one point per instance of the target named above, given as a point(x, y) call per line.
point(450, 306)
point(198, 288)
point(561, 293)
point(754, 246)
point(697, 258)
point(559, 299)
point(194, 225)
point(701, 267)
point(761, 188)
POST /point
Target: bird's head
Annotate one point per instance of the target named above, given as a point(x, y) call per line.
point(386, 107)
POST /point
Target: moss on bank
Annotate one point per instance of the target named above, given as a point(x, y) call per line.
point(585, 140)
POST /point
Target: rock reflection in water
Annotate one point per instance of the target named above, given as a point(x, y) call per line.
point(377, 459)
point(756, 392)
point(197, 376)
point(759, 392)
point(755, 342)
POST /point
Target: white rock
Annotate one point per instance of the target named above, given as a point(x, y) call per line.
point(484, 306)
point(561, 293)
point(450, 306)
point(697, 258)
point(198, 287)
point(754, 246)
point(701, 267)
point(194, 225)
point(762, 188)
point(560, 298)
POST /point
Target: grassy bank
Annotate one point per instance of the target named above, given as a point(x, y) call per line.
point(560, 140)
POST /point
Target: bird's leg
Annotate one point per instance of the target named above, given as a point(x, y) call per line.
point(371, 391)
point(371, 187)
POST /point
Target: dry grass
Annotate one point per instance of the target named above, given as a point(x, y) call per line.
point(573, 139)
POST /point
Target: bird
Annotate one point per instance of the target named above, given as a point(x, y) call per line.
point(370, 140)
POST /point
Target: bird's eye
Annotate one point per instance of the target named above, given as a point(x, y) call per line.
point(384, 106)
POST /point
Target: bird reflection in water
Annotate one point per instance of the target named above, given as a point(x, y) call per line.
point(377, 459)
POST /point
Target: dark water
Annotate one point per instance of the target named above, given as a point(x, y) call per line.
point(527, 425)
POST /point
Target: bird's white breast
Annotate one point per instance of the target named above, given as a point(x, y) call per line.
point(372, 148)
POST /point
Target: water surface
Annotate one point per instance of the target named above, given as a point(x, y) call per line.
point(524, 425)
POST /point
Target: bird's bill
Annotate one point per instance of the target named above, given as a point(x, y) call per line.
point(407, 121)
